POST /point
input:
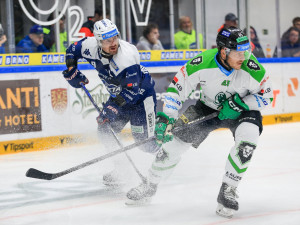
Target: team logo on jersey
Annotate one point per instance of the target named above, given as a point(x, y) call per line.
point(59, 100)
point(253, 65)
point(219, 98)
point(245, 151)
point(161, 156)
point(196, 61)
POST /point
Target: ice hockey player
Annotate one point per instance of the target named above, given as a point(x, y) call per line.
point(132, 96)
point(234, 83)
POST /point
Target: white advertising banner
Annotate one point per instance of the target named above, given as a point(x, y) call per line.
point(43, 104)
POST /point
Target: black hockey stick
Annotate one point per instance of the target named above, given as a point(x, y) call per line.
point(34, 173)
point(114, 134)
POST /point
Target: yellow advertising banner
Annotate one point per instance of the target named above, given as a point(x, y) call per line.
point(39, 59)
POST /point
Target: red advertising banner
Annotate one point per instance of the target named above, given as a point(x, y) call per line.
point(20, 109)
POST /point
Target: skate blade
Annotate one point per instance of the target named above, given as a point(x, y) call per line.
point(144, 201)
point(224, 212)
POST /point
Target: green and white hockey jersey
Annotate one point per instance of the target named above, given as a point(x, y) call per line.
point(217, 84)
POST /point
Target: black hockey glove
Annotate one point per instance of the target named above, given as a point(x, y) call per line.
point(75, 77)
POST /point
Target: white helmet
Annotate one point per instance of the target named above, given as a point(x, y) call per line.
point(105, 29)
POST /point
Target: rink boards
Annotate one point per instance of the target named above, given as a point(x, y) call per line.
point(39, 110)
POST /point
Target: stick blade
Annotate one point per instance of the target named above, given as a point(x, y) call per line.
point(34, 173)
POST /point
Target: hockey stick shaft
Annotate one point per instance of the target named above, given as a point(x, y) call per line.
point(113, 132)
point(34, 173)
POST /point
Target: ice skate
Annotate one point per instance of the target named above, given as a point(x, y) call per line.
point(227, 201)
point(112, 179)
point(142, 194)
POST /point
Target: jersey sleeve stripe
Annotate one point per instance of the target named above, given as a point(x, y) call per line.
point(170, 89)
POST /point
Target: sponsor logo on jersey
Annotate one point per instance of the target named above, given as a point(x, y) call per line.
point(59, 100)
point(87, 52)
point(266, 90)
point(113, 109)
point(174, 81)
point(113, 89)
point(130, 74)
point(137, 129)
point(196, 61)
point(182, 69)
point(245, 151)
point(169, 98)
point(114, 65)
point(151, 121)
point(170, 106)
point(253, 65)
point(257, 100)
point(264, 80)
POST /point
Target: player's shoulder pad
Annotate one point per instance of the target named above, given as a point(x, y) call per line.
point(89, 47)
point(204, 60)
point(254, 68)
point(128, 55)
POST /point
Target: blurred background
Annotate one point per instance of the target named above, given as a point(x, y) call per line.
point(270, 18)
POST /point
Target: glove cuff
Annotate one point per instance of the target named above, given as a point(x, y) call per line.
point(240, 102)
point(68, 74)
point(164, 118)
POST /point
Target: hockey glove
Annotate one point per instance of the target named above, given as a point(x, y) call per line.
point(75, 77)
point(232, 108)
point(163, 128)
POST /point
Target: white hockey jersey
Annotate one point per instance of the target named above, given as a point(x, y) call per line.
point(217, 84)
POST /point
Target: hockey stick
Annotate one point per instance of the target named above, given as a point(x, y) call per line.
point(113, 132)
point(34, 173)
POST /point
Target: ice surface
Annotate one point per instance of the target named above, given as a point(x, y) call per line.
point(269, 193)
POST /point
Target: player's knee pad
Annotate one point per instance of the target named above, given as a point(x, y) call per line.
point(253, 117)
point(247, 132)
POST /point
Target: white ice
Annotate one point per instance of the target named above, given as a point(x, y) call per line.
point(269, 192)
